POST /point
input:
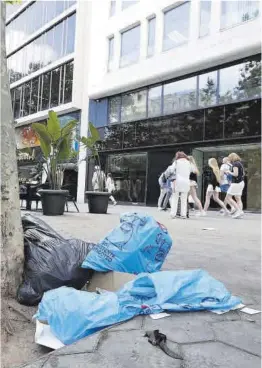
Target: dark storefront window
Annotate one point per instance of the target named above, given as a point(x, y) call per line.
point(214, 122)
point(129, 172)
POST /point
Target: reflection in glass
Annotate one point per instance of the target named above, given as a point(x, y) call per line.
point(205, 15)
point(17, 98)
point(110, 53)
point(114, 109)
point(243, 119)
point(55, 87)
point(151, 37)
point(26, 98)
point(68, 82)
point(34, 96)
point(127, 3)
point(129, 174)
point(176, 26)
point(240, 81)
point(236, 12)
point(214, 122)
point(154, 101)
point(113, 137)
point(58, 41)
point(112, 8)
point(129, 135)
point(133, 106)
point(71, 34)
point(130, 46)
point(45, 98)
point(208, 89)
point(180, 95)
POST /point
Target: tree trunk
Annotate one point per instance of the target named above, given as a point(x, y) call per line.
point(12, 249)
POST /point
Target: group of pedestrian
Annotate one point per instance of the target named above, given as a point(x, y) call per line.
point(179, 183)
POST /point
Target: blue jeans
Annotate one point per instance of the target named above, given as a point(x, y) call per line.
point(224, 188)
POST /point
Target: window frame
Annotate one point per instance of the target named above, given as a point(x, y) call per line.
point(129, 28)
point(150, 19)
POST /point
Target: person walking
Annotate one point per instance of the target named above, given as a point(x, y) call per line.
point(110, 187)
point(193, 184)
point(213, 188)
point(236, 187)
point(165, 192)
point(226, 180)
point(181, 168)
point(98, 179)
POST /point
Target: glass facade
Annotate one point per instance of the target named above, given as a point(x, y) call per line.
point(48, 47)
point(130, 46)
point(176, 26)
point(237, 12)
point(112, 10)
point(238, 82)
point(205, 15)
point(151, 37)
point(43, 92)
point(35, 16)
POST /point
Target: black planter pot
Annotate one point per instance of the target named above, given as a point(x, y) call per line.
point(53, 201)
point(97, 201)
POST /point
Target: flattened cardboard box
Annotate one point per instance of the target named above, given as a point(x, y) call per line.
point(111, 281)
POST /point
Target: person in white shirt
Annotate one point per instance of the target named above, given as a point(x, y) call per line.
point(110, 187)
point(98, 179)
point(181, 168)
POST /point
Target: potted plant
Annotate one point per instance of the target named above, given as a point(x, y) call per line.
point(98, 198)
point(56, 145)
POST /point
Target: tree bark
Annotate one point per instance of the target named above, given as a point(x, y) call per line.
point(12, 248)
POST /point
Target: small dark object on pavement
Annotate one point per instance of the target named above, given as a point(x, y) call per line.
point(51, 261)
point(156, 338)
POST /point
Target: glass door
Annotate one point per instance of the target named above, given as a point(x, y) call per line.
point(251, 159)
point(129, 172)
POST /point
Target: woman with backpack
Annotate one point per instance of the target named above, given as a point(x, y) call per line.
point(237, 185)
point(213, 187)
point(110, 187)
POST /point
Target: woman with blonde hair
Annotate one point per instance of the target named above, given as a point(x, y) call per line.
point(237, 185)
point(213, 188)
point(193, 183)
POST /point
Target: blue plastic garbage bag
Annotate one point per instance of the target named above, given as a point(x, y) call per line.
point(74, 314)
point(138, 244)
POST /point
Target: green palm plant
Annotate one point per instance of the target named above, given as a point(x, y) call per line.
point(56, 145)
point(91, 144)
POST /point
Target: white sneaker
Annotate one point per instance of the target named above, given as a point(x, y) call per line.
point(115, 203)
point(238, 214)
point(203, 213)
point(234, 210)
point(172, 216)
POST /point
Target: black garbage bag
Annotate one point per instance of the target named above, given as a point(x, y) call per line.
point(50, 261)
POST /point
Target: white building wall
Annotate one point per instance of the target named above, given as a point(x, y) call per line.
point(199, 53)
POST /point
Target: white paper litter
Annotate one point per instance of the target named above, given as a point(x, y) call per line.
point(239, 306)
point(222, 311)
point(44, 336)
point(250, 311)
point(159, 315)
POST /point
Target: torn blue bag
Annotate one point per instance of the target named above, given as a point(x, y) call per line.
point(74, 314)
point(138, 244)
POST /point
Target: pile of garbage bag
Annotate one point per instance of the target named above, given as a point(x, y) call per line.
point(74, 314)
point(50, 261)
point(138, 244)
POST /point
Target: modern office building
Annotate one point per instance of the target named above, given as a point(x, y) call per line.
point(174, 75)
point(46, 61)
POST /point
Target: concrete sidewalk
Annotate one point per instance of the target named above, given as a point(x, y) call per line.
point(230, 253)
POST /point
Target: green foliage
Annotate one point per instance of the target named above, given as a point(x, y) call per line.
point(56, 145)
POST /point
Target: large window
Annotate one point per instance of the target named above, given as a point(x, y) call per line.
point(151, 37)
point(133, 106)
point(238, 82)
point(31, 19)
point(112, 10)
point(237, 12)
point(242, 81)
point(48, 47)
point(176, 26)
point(128, 3)
point(208, 89)
point(205, 14)
point(154, 101)
point(47, 90)
point(130, 46)
point(110, 53)
point(179, 96)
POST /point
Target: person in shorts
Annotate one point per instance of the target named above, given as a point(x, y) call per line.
point(213, 187)
point(226, 180)
point(236, 187)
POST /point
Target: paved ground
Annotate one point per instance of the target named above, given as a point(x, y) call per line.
point(230, 253)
